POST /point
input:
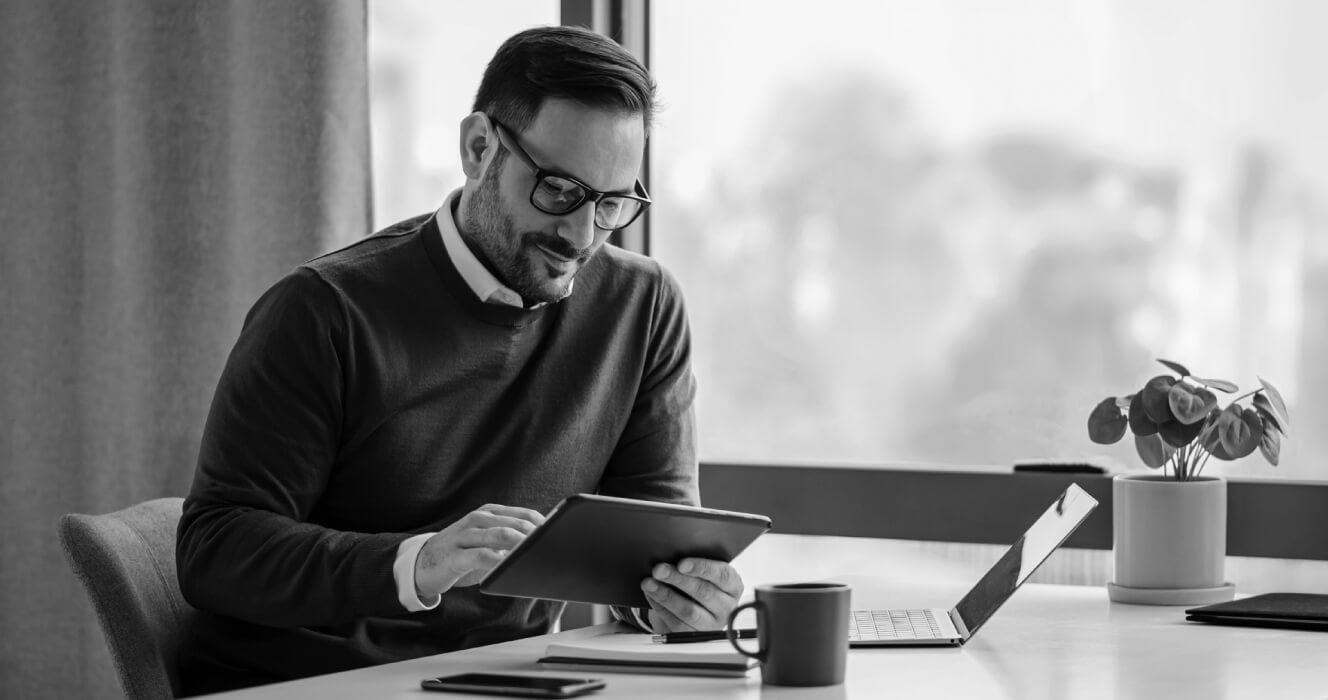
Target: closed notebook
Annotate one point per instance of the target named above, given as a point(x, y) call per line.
point(637, 653)
point(1307, 611)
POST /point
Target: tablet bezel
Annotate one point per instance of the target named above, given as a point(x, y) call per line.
point(598, 549)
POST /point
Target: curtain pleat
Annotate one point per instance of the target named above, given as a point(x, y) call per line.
point(161, 164)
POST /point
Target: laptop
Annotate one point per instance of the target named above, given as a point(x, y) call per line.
point(939, 627)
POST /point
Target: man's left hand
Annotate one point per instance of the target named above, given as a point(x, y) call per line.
point(697, 594)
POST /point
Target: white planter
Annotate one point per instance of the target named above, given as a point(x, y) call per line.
point(1169, 540)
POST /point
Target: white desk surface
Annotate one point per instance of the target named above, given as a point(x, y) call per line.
point(1046, 642)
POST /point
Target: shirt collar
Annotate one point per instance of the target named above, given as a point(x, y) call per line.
point(482, 282)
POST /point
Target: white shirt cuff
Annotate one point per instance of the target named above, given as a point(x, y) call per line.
point(403, 572)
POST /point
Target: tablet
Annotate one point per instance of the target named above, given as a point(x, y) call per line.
point(598, 549)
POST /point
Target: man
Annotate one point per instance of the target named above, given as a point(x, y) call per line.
point(400, 413)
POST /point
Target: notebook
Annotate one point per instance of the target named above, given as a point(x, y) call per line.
point(1306, 611)
point(632, 652)
point(952, 627)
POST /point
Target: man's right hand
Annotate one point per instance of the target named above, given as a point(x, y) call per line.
point(463, 553)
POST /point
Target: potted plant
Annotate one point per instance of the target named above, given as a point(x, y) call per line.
point(1169, 529)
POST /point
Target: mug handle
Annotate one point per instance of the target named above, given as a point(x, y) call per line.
point(731, 634)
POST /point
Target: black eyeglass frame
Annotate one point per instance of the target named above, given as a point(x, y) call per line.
point(588, 193)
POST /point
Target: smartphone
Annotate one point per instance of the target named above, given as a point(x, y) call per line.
point(521, 686)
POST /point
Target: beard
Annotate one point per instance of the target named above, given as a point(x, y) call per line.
point(515, 257)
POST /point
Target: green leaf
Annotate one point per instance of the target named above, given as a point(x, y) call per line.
point(1219, 384)
point(1190, 404)
point(1212, 441)
point(1153, 450)
point(1176, 367)
point(1106, 424)
point(1265, 409)
point(1178, 434)
point(1156, 404)
point(1140, 423)
point(1278, 404)
point(1240, 431)
point(1271, 446)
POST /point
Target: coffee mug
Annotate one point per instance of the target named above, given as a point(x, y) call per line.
point(802, 632)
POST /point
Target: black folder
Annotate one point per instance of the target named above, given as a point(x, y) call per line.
point(1303, 611)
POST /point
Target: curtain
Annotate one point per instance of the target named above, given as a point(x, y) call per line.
point(161, 164)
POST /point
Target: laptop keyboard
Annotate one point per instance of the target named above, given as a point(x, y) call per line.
point(873, 625)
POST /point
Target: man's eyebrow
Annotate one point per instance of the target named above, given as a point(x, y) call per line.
point(631, 189)
point(559, 171)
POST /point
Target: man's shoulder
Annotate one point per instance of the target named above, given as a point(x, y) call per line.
point(640, 286)
point(371, 251)
point(619, 267)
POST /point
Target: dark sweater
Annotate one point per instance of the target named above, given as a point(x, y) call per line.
point(370, 397)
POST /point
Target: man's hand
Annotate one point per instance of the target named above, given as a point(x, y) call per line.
point(697, 594)
point(465, 551)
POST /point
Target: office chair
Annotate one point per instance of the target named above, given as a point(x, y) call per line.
point(126, 561)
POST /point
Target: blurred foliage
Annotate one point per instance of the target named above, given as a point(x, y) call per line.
point(861, 293)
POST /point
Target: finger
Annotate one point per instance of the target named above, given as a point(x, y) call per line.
point(477, 559)
point(480, 519)
point(716, 601)
point(501, 538)
point(662, 621)
point(473, 564)
point(668, 599)
point(721, 574)
point(532, 516)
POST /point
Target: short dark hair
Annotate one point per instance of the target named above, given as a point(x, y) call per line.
point(563, 62)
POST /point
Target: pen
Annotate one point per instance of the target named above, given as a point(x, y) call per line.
point(706, 636)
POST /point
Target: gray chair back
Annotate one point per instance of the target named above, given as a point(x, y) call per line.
point(126, 561)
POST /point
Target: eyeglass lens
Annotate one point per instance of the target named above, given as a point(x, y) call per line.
point(558, 195)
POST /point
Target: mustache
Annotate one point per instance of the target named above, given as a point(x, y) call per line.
point(559, 246)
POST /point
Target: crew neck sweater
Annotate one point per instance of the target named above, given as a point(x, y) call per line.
point(370, 397)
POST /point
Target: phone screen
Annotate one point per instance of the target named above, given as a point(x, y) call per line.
point(525, 686)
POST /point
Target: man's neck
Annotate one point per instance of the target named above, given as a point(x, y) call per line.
point(457, 221)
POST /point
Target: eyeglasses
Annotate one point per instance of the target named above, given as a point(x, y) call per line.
point(561, 194)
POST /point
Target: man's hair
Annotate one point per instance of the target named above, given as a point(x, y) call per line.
point(563, 62)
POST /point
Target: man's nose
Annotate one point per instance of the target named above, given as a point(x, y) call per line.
point(578, 227)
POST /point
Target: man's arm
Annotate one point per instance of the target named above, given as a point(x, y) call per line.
point(656, 460)
point(244, 547)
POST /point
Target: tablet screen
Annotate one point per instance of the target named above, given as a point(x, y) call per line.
point(598, 549)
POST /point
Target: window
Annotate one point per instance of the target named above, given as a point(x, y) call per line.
point(425, 63)
point(941, 231)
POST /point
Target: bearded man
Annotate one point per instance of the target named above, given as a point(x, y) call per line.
point(398, 414)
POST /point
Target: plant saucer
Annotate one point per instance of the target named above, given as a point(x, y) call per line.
point(1171, 596)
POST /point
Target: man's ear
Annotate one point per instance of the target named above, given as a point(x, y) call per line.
point(478, 141)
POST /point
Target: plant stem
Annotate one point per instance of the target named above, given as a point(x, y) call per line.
point(1248, 393)
point(1206, 456)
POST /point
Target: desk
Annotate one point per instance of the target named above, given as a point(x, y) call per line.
point(1048, 641)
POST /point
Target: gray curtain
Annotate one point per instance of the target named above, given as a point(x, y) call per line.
point(161, 163)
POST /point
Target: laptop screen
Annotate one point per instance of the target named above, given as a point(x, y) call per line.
point(1025, 556)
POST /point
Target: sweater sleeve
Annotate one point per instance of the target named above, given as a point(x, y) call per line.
point(244, 546)
point(655, 458)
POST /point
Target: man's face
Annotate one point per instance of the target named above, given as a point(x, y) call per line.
point(538, 254)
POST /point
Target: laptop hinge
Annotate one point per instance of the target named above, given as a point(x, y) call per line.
point(958, 621)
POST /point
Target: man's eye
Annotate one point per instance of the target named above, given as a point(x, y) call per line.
point(550, 189)
point(559, 190)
